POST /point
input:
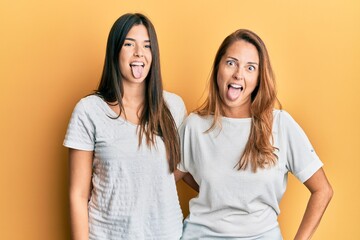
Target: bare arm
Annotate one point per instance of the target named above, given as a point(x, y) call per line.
point(321, 194)
point(79, 192)
point(186, 177)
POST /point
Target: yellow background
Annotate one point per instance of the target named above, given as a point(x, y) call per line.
point(52, 52)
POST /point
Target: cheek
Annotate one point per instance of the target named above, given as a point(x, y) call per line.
point(219, 84)
point(256, 80)
point(123, 69)
point(123, 59)
point(220, 80)
point(221, 87)
point(253, 79)
point(148, 54)
point(251, 86)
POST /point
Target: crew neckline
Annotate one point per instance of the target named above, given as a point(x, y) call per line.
point(112, 113)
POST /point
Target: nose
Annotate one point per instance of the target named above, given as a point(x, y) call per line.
point(138, 52)
point(238, 74)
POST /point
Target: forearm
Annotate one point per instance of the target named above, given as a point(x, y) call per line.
point(178, 175)
point(189, 180)
point(79, 218)
point(314, 211)
point(79, 192)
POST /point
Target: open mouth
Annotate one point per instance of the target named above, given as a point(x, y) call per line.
point(234, 91)
point(236, 86)
point(137, 69)
point(141, 64)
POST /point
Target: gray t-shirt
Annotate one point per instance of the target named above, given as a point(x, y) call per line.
point(234, 203)
point(134, 194)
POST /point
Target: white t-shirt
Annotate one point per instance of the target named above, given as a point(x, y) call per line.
point(233, 203)
point(134, 194)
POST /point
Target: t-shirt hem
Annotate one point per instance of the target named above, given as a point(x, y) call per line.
point(304, 175)
point(181, 168)
point(78, 146)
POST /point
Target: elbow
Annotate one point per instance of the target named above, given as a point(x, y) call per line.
point(76, 197)
point(79, 195)
point(330, 193)
point(78, 202)
point(327, 193)
point(324, 194)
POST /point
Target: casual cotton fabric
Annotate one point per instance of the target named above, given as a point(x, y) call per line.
point(239, 204)
point(134, 194)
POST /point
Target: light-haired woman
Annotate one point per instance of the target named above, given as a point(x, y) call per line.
point(239, 150)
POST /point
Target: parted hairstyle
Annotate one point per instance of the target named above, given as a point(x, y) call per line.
point(259, 151)
point(155, 117)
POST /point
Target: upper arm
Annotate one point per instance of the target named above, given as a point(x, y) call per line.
point(302, 159)
point(80, 163)
point(318, 182)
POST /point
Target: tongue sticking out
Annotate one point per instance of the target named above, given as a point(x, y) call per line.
point(233, 93)
point(137, 71)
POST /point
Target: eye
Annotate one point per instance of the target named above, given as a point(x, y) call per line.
point(251, 68)
point(148, 46)
point(231, 63)
point(127, 44)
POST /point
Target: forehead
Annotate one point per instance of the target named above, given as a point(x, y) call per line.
point(138, 32)
point(242, 49)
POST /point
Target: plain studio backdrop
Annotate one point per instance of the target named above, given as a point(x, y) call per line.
point(52, 54)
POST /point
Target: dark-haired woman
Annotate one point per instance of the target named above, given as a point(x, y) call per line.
point(124, 145)
point(239, 150)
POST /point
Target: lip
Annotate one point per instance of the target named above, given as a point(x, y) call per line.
point(236, 86)
point(137, 63)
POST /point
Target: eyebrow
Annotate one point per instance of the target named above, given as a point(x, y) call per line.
point(235, 59)
point(132, 39)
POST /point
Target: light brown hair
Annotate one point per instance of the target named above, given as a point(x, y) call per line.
point(259, 151)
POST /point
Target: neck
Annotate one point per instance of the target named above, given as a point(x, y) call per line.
point(237, 112)
point(134, 94)
point(133, 102)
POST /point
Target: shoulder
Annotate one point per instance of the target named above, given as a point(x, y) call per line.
point(196, 122)
point(282, 117)
point(89, 105)
point(196, 128)
point(173, 99)
point(194, 118)
point(285, 123)
point(176, 106)
point(90, 100)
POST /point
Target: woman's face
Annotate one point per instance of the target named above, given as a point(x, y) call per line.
point(237, 78)
point(135, 55)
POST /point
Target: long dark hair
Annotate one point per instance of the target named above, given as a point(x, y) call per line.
point(259, 151)
point(155, 118)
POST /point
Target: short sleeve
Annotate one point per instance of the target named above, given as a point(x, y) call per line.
point(182, 113)
point(176, 106)
point(184, 148)
point(302, 159)
point(80, 131)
